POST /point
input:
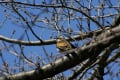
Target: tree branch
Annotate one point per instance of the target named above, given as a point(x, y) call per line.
point(60, 6)
point(51, 41)
point(72, 59)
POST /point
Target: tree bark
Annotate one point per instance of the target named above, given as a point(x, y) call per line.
point(72, 58)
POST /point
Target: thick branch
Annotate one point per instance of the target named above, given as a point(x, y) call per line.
point(71, 60)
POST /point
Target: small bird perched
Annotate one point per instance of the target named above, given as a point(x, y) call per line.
point(64, 45)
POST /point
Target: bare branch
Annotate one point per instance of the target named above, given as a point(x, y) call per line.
point(52, 41)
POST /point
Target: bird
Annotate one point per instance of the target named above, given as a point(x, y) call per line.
point(63, 45)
